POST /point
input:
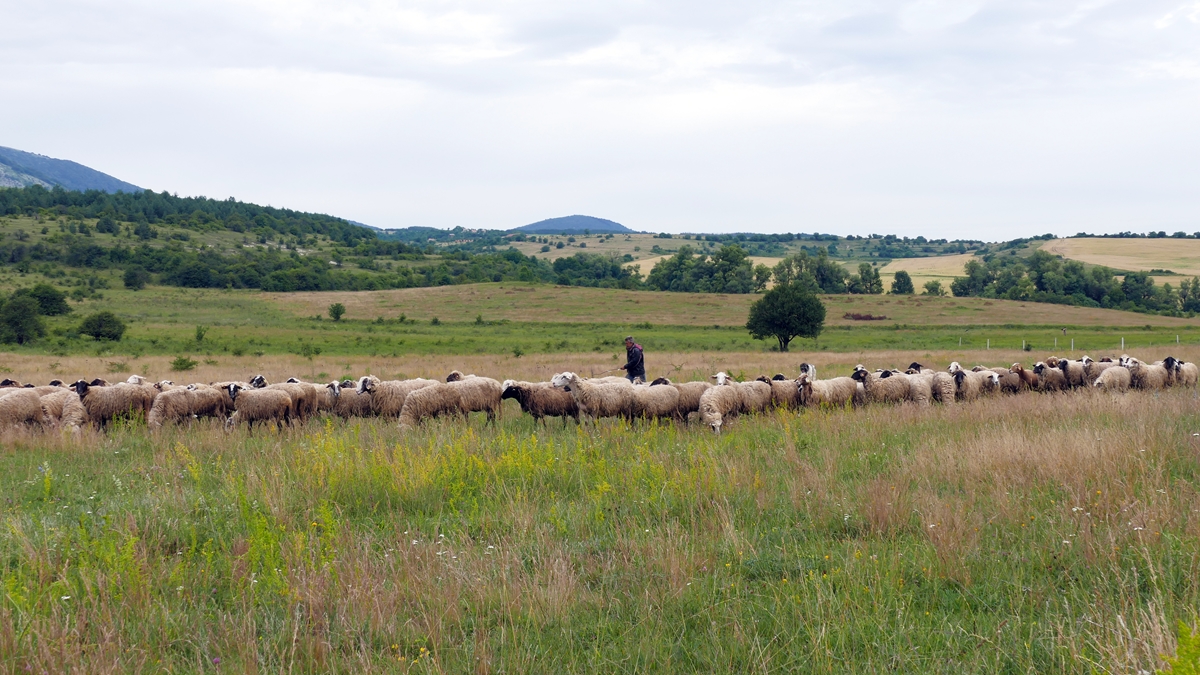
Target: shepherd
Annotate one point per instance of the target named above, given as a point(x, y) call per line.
point(635, 363)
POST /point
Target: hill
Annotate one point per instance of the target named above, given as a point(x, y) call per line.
point(23, 169)
point(574, 224)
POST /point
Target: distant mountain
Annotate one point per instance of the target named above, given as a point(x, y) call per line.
point(23, 169)
point(573, 224)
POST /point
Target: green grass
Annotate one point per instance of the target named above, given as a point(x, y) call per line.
point(1026, 534)
point(162, 321)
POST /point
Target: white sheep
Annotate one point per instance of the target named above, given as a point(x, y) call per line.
point(1115, 378)
point(387, 396)
point(719, 403)
point(64, 410)
point(433, 401)
point(477, 394)
point(837, 392)
point(597, 399)
point(655, 402)
point(19, 407)
point(971, 385)
point(882, 387)
point(348, 402)
point(784, 393)
point(259, 405)
point(1146, 376)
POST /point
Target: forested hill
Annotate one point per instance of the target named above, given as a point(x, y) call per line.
point(20, 169)
point(198, 213)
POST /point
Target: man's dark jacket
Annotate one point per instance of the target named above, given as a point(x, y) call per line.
point(635, 364)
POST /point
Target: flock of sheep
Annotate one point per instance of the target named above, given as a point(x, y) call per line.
point(58, 405)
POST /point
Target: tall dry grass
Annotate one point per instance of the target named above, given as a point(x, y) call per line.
point(1056, 533)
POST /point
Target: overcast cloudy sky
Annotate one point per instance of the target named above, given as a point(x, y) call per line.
point(968, 118)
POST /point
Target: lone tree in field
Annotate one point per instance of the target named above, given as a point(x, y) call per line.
point(336, 310)
point(786, 312)
point(902, 284)
point(934, 288)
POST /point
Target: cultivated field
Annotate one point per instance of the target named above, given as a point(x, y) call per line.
point(941, 268)
point(1181, 256)
point(1033, 533)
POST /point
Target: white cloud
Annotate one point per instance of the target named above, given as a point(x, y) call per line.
point(978, 118)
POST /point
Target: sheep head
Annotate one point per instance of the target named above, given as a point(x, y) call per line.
point(258, 382)
point(954, 367)
point(234, 388)
point(860, 375)
point(454, 376)
point(778, 377)
point(81, 388)
point(293, 380)
point(916, 366)
point(563, 379)
point(660, 380)
point(722, 379)
point(55, 383)
point(367, 383)
point(335, 388)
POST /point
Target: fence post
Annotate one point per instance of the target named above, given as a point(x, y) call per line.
point(1122, 344)
point(989, 345)
point(1072, 344)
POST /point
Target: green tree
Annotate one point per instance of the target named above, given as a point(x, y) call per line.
point(20, 321)
point(103, 326)
point(902, 284)
point(50, 300)
point(336, 310)
point(933, 288)
point(136, 278)
point(786, 312)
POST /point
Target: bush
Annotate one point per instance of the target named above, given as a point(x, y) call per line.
point(103, 326)
point(182, 363)
point(934, 288)
point(50, 300)
point(336, 310)
point(20, 321)
point(136, 278)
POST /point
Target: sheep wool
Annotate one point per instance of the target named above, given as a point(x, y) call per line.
point(541, 399)
point(20, 407)
point(720, 403)
point(1115, 378)
point(433, 401)
point(64, 410)
point(655, 402)
point(259, 405)
point(387, 396)
point(596, 400)
point(478, 394)
point(837, 392)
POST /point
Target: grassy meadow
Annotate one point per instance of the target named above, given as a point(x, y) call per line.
point(1032, 533)
point(1038, 533)
point(519, 321)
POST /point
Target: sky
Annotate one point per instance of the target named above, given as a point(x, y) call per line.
point(959, 119)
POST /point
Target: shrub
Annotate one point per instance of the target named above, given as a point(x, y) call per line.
point(182, 363)
point(136, 278)
point(50, 300)
point(20, 321)
point(336, 310)
point(103, 326)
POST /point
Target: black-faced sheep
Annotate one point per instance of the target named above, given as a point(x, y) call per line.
point(259, 405)
point(1073, 371)
point(971, 385)
point(541, 399)
point(303, 394)
point(881, 388)
point(348, 402)
point(597, 399)
point(103, 403)
point(1049, 377)
point(387, 396)
point(785, 393)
